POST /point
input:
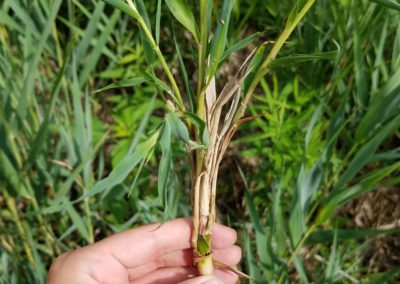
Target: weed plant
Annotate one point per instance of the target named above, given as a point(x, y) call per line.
point(79, 161)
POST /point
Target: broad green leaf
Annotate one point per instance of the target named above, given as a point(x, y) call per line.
point(182, 12)
point(123, 84)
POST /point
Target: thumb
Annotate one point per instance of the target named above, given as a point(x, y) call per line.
point(203, 280)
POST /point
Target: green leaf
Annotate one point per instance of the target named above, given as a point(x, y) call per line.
point(254, 65)
point(123, 84)
point(165, 162)
point(384, 277)
point(122, 6)
point(294, 12)
point(327, 236)
point(182, 12)
point(382, 107)
point(188, 87)
point(219, 41)
point(301, 58)
point(32, 72)
point(255, 220)
point(158, 18)
point(77, 220)
point(148, 49)
point(159, 83)
point(10, 175)
point(333, 262)
point(92, 59)
point(388, 3)
point(360, 73)
point(123, 169)
point(366, 152)
point(89, 31)
point(337, 198)
point(178, 128)
point(39, 141)
point(201, 126)
point(239, 45)
point(8, 21)
point(204, 244)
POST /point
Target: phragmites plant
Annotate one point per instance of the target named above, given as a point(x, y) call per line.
point(208, 119)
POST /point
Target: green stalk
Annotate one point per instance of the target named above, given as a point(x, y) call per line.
point(202, 58)
point(177, 97)
point(202, 249)
point(201, 78)
point(264, 68)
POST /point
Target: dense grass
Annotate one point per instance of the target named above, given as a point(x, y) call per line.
point(326, 133)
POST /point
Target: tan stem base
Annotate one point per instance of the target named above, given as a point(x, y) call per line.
point(205, 265)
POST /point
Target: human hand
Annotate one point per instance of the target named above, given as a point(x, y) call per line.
point(150, 254)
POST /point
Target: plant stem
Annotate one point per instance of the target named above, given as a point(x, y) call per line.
point(177, 97)
point(272, 55)
point(202, 58)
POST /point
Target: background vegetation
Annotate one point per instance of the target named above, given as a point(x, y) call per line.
point(311, 184)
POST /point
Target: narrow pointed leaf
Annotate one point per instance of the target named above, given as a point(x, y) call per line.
point(122, 6)
point(182, 12)
point(123, 84)
point(165, 162)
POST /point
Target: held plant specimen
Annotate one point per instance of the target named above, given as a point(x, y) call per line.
point(205, 119)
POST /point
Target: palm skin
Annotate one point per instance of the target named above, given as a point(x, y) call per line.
point(151, 254)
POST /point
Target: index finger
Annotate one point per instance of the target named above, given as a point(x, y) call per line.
point(139, 246)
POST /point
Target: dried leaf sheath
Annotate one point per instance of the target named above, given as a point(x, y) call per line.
point(220, 132)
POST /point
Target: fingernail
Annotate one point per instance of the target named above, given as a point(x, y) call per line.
point(213, 281)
